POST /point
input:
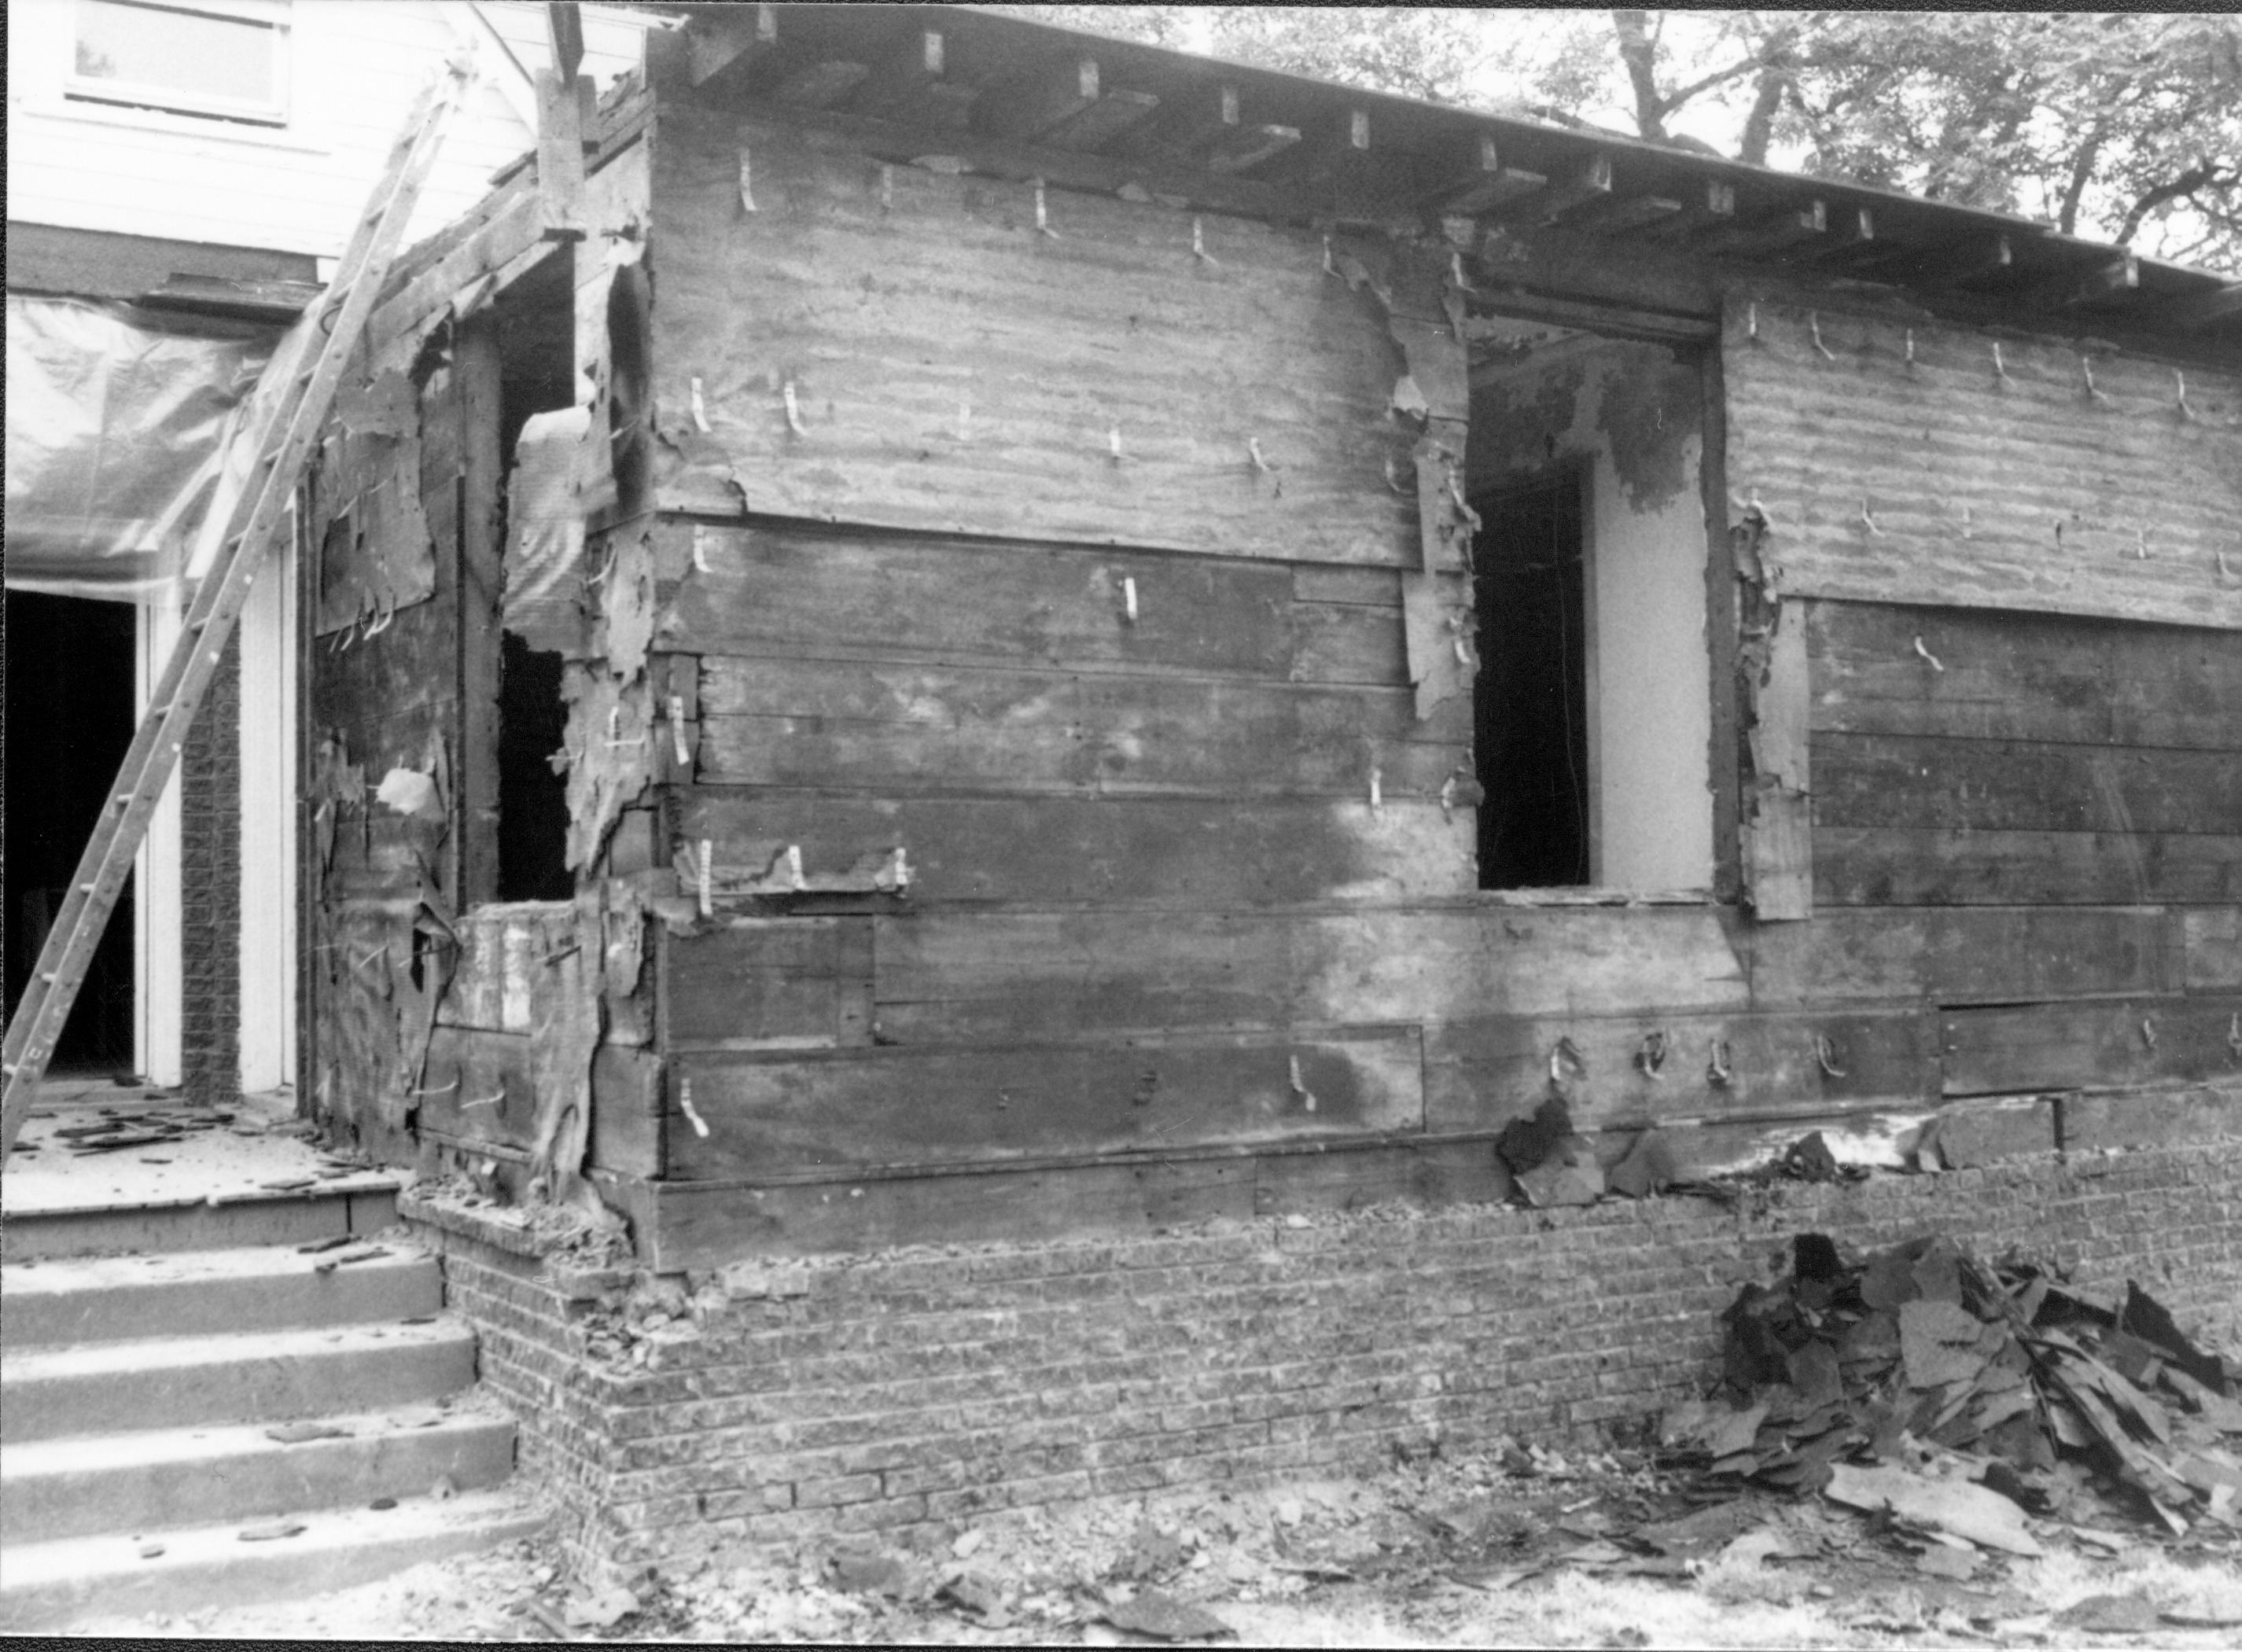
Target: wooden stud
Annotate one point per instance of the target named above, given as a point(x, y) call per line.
point(1622, 217)
point(721, 35)
point(1588, 183)
point(560, 157)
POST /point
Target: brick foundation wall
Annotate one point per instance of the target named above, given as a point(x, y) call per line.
point(908, 1391)
point(209, 883)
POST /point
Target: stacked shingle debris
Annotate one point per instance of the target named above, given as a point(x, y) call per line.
point(1923, 1358)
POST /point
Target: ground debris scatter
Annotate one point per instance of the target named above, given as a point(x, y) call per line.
point(1913, 1449)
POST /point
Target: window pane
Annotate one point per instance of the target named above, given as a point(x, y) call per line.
point(211, 58)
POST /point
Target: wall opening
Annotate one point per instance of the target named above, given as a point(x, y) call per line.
point(535, 323)
point(69, 725)
point(1529, 563)
point(532, 800)
point(1593, 710)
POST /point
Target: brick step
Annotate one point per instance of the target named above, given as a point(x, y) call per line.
point(185, 1292)
point(131, 1482)
point(46, 1585)
point(362, 1205)
point(165, 1382)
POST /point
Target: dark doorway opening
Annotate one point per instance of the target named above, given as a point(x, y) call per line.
point(532, 801)
point(68, 723)
point(1531, 711)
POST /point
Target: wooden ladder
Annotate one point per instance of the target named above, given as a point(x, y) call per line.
point(293, 398)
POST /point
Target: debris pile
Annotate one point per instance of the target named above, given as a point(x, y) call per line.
point(1926, 1383)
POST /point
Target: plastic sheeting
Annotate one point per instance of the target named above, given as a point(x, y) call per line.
point(117, 425)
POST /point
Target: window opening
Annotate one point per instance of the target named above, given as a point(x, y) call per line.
point(221, 58)
point(1532, 710)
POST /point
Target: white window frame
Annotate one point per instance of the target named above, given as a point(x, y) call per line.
point(81, 89)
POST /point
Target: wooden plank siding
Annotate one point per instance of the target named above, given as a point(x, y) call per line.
point(979, 376)
point(1900, 459)
point(2041, 759)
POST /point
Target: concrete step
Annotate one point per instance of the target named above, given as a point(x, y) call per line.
point(44, 1585)
point(185, 1292)
point(127, 1482)
point(360, 1204)
point(167, 1382)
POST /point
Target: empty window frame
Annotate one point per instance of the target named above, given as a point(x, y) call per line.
point(1592, 733)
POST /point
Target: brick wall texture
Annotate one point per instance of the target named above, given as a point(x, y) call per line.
point(908, 1392)
point(209, 883)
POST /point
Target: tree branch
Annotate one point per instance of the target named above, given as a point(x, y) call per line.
point(2203, 175)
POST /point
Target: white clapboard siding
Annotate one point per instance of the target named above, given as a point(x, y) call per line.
point(354, 70)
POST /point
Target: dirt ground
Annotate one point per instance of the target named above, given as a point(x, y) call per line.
point(1508, 1548)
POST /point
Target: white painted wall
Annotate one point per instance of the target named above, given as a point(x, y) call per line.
point(355, 67)
point(1649, 676)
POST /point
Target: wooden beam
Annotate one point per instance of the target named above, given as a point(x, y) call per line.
point(1956, 263)
point(1852, 235)
point(1482, 182)
point(1589, 181)
point(911, 87)
point(1032, 107)
point(2106, 279)
point(1242, 148)
point(1712, 205)
point(1617, 215)
point(821, 85)
point(277, 301)
point(561, 156)
point(2202, 309)
point(1775, 232)
point(719, 37)
point(890, 140)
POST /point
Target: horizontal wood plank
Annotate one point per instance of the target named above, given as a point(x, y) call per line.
point(1482, 1072)
point(2176, 1117)
point(976, 373)
point(2011, 785)
point(2022, 677)
point(1894, 866)
point(768, 984)
point(480, 1086)
point(928, 1107)
point(1195, 854)
point(949, 978)
point(2072, 1046)
point(682, 1224)
point(2212, 941)
point(1966, 955)
point(915, 727)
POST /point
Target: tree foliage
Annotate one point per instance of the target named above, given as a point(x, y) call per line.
point(2125, 127)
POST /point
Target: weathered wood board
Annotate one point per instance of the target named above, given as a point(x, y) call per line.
point(953, 977)
point(978, 376)
point(768, 984)
point(1966, 955)
point(1195, 854)
point(2108, 1045)
point(1897, 866)
point(1636, 1070)
point(2101, 1122)
point(843, 594)
point(2023, 677)
point(1929, 781)
point(936, 1107)
point(2212, 940)
point(1904, 460)
point(908, 727)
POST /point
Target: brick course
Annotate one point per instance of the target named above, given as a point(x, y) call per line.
point(209, 883)
point(909, 1393)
